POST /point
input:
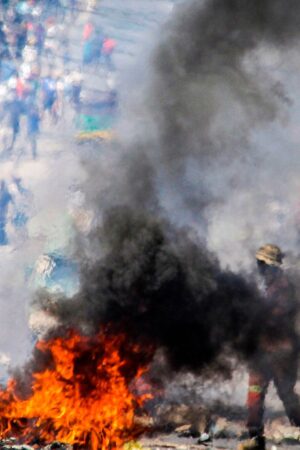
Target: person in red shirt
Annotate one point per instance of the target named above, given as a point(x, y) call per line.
point(108, 48)
point(20, 88)
point(88, 30)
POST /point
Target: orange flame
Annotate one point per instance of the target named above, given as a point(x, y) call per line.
point(83, 400)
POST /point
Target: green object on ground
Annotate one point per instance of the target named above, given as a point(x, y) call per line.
point(89, 123)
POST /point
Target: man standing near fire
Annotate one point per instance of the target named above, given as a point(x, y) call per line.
point(276, 358)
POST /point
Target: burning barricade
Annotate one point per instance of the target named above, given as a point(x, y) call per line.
point(81, 397)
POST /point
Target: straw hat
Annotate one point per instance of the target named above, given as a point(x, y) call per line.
point(270, 254)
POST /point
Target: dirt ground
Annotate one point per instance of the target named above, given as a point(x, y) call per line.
point(221, 433)
point(169, 441)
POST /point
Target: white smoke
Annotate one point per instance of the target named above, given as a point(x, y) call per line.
point(56, 206)
point(242, 190)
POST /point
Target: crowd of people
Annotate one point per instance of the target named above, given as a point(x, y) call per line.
point(42, 72)
point(50, 74)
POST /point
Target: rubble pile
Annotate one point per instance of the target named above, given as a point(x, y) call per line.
point(12, 444)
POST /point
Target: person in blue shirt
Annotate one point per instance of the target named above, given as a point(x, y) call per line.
point(7, 68)
point(49, 96)
point(14, 108)
point(5, 200)
point(21, 207)
point(33, 127)
point(4, 51)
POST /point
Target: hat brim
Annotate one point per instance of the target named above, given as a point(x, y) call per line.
point(268, 260)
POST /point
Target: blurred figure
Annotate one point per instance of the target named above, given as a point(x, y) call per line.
point(49, 94)
point(54, 7)
point(58, 9)
point(4, 6)
point(7, 68)
point(33, 127)
point(112, 100)
point(93, 40)
point(107, 51)
point(5, 200)
point(40, 35)
point(33, 85)
point(65, 43)
point(21, 39)
point(88, 30)
point(18, 214)
point(14, 108)
point(98, 43)
point(76, 87)
point(4, 51)
point(87, 55)
point(73, 6)
point(50, 44)
point(20, 87)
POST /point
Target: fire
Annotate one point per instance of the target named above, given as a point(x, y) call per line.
point(83, 399)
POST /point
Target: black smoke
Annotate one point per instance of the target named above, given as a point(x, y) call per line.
point(162, 287)
point(153, 279)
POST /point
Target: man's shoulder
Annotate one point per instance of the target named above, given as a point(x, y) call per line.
point(282, 283)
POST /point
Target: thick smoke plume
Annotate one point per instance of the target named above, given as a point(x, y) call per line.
point(210, 131)
point(185, 155)
point(162, 286)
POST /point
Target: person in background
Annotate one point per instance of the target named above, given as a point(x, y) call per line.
point(65, 43)
point(73, 6)
point(4, 6)
point(40, 35)
point(5, 200)
point(14, 108)
point(76, 87)
point(4, 50)
point(20, 87)
point(108, 48)
point(33, 127)
point(21, 39)
point(88, 30)
point(87, 53)
point(49, 94)
point(22, 203)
